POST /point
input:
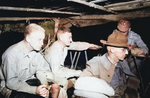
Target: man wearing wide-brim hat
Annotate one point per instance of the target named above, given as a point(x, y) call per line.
point(104, 67)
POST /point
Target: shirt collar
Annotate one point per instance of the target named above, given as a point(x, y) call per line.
point(26, 52)
point(106, 62)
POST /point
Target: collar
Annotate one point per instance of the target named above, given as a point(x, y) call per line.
point(26, 52)
point(106, 62)
point(130, 34)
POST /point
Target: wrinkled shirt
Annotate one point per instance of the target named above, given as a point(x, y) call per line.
point(3, 90)
point(122, 68)
point(18, 65)
point(134, 38)
point(100, 67)
point(55, 55)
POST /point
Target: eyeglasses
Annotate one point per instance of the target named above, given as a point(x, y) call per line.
point(123, 31)
point(124, 49)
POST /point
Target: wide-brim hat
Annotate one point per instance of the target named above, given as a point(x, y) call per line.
point(116, 39)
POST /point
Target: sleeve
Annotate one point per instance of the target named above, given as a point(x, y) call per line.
point(87, 72)
point(54, 60)
point(12, 80)
point(79, 46)
point(141, 44)
point(3, 90)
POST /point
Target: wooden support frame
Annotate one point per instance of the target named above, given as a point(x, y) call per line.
point(36, 10)
point(90, 4)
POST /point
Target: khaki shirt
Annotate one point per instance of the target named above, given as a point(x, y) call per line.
point(99, 67)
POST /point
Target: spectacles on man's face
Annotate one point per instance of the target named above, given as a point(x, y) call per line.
point(124, 49)
point(123, 31)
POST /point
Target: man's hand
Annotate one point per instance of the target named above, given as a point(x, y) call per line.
point(132, 46)
point(95, 47)
point(43, 90)
point(135, 50)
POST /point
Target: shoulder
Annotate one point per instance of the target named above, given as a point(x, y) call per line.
point(95, 61)
point(133, 34)
point(52, 48)
point(13, 49)
point(98, 61)
point(12, 53)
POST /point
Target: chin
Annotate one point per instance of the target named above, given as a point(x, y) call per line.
point(38, 49)
point(68, 45)
point(122, 59)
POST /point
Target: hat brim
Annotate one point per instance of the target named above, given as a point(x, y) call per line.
point(112, 44)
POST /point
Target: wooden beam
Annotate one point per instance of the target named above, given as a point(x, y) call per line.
point(22, 18)
point(84, 23)
point(97, 1)
point(133, 14)
point(102, 19)
point(36, 10)
point(128, 5)
point(90, 4)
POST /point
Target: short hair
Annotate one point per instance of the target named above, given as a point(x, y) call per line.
point(32, 28)
point(62, 30)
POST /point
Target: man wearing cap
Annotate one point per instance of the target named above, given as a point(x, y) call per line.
point(104, 67)
point(135, 43)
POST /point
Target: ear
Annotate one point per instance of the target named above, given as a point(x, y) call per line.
point(61, 38)
point(27, 39)
point(112, 50)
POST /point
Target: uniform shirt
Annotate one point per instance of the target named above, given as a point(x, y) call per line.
point(55, 55)
point(19, 65)
point(99, 67)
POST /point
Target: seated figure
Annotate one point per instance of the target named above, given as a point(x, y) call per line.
point(19, 65)
point(57, 52)
point(136, 45)
point(105, 68)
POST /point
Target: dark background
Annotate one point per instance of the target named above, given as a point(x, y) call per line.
point(93, 34)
